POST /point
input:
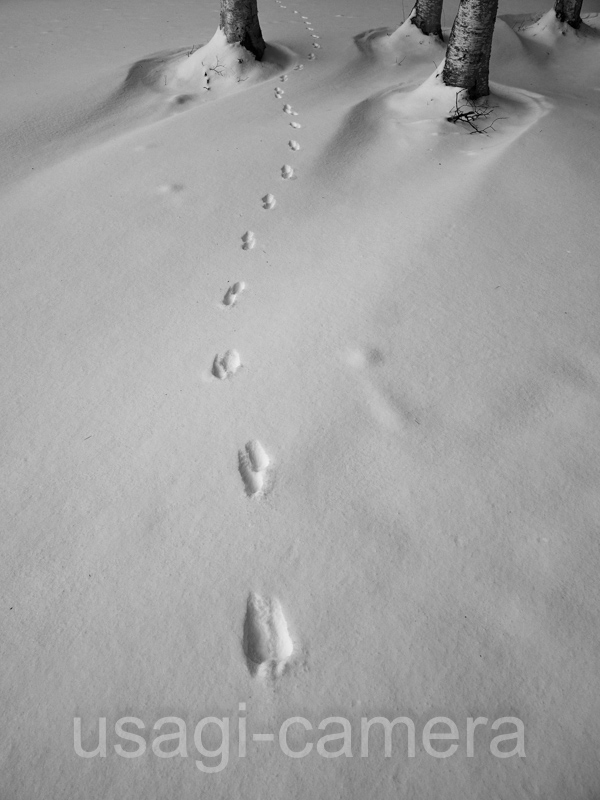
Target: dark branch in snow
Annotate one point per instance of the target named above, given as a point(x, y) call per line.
point(471, 114)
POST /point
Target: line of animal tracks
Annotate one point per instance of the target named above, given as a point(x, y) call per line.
point(266, 639)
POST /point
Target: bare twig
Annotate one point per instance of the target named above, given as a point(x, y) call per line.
point(471, 114)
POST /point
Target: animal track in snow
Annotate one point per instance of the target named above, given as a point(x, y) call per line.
point(317, 45)
point(311, 57)
point(315, 36)
point(279, 93)
point(295, 125)
point(252, 464)
point(231, 295)
point(283, 78)
point(259, 460)
point(287, 172)
point(253, 481)
point(304, 17)
point(289, 110)
point(224, 367)
point(268, 201)
point(299, 66)
point(249, 240)
point(267, 641)
point(293, 145)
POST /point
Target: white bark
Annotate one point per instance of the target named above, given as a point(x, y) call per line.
point(469, 47)
point(239, 21)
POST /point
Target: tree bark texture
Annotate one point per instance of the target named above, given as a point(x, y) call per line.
point(428, 17)
point(469, 47)
point(239, 21)
point(569, 11)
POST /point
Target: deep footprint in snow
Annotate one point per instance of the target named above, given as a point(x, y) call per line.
point(268, 201)
point(287, 172)
point(231, 295)
point(253, 462)
point(249, 240)
point(227, 365)
point(267, 642)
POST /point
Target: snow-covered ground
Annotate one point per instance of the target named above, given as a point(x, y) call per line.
point(366, 482)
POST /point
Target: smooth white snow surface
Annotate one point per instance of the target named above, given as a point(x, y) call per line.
point(406, 452)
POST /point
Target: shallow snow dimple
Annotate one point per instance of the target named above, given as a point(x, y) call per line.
point(266, 641)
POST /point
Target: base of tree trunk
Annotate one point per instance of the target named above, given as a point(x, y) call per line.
point(468, 53)
point(239, 22)
point(427, 17)
point(569, 11)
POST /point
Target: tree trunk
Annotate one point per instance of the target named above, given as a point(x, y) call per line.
point(239, 21)
point(428, 17)
point(470, 45)
point(569, 11)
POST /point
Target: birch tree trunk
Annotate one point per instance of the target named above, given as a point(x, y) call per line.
point(428, 17)
point(469, 47)
point(239, 21)
point(569, 11)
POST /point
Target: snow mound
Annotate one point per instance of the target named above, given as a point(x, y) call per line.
point(406, 41)
point(548, 30)
point(432, 106)
point(398, 123)
point(209, 71)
